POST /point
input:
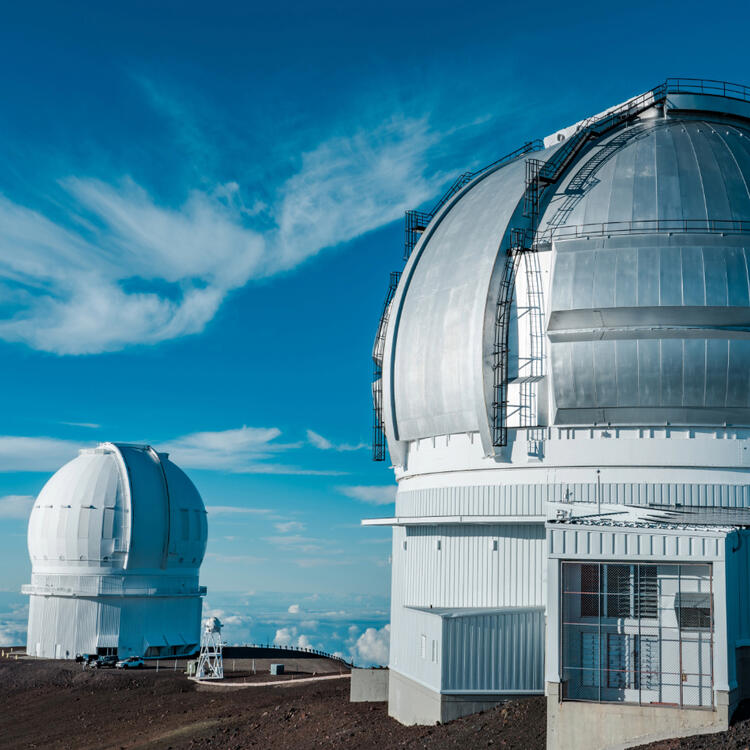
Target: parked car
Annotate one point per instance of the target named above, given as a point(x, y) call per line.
point(132, 662)
point(86, 658)
point(103, 662)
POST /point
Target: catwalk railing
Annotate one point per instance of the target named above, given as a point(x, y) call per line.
point(643, 226)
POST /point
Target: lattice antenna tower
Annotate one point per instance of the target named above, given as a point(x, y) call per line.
point(211, 661)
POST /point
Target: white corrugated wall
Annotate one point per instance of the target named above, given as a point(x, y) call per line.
point(66, 626)
point(473, 566)
point(467, 570)
point(531, 499)
point(494, 652)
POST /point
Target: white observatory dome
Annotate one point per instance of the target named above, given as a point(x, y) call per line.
point(118, 507)
point(113, 527)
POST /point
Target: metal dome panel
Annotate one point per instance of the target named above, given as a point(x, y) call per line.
point(79, 516)
point(652, 325)
point(657, 170)
point(437, 364)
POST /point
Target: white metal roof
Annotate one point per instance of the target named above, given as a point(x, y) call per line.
point(117, 506)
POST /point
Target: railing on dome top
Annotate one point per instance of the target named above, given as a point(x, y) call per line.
point(707, 86)
point(281, 649)
point(643, 226)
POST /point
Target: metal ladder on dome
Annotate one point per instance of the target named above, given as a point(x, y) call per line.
point(378, 350)
point(535, 363)
point(501, 349)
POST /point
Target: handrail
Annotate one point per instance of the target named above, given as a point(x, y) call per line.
point(290, 648)
point(641, 226)
point(708, 86)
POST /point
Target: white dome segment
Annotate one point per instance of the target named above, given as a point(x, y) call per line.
point(118, 507)
point(78, 518)
point(116, 539)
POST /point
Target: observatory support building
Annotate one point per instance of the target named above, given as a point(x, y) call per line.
point(562, 380)
point(116, 539)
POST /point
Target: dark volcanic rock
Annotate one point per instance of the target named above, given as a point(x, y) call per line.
point(50, 704)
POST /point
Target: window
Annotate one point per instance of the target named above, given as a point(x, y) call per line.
point(693, 610)
point(589, 590)
point(649, 662)
point(622, 655)
point(618, 602)
point(647, 600)
point(590, 659)
point(620, 590)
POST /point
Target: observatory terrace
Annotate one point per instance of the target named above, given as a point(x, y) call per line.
point(570, 335)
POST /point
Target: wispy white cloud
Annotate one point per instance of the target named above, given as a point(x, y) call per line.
point(225, 510)
point(242, 559)
point(287, 527)
point(88, 425)
point(324, 444)
point(35, 453)
point(320, 562)
point(16, 506)
point(116, 266)
point(294, 609)
point(285, 636)
point(375, 495)
point(246, 450)
point(13, 625)
point(298, 543)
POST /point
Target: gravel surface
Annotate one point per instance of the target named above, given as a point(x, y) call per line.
point(49, 704)
point(52, 704)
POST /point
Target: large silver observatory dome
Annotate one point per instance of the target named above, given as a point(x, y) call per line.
point(116, 539)
point(648, 299)
point(569, 336)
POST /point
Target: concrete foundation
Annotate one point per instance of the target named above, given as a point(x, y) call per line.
point(616, 726)
point(369, 685)
point(412, 703)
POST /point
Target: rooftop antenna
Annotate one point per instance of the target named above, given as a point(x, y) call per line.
point(211, 661)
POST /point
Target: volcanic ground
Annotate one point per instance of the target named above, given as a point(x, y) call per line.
point(52, 704)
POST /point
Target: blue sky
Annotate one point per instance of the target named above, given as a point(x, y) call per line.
point(199, 207)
